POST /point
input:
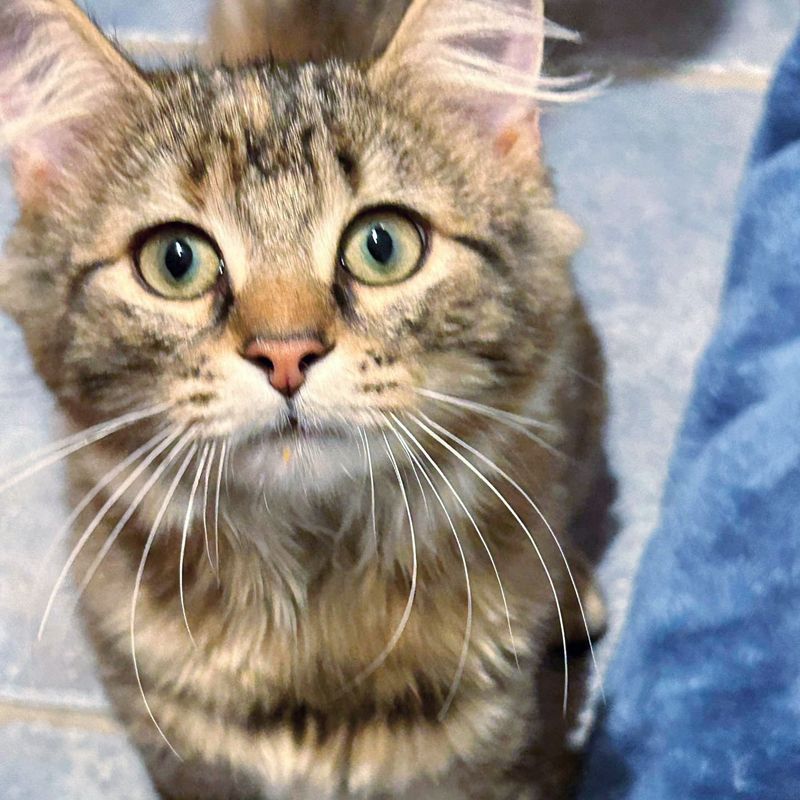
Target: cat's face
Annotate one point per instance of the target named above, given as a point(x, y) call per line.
point(286, 258)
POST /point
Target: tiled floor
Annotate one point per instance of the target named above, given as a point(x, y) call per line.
point(650, 169)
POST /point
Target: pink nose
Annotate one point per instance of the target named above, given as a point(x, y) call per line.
point(285, 361)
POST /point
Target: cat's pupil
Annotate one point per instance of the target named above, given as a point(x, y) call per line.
point(178, 258)
point(380, 244)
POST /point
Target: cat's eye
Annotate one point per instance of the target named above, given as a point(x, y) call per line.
point(178, 262)
point(383, 246)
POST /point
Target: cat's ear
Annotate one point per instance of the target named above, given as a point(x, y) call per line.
point(58, 76)
point(486, 57)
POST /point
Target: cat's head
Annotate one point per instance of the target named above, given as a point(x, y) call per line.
point(283, 256)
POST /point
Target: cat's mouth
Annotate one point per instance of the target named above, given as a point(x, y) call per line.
point(292, 421)
point(293, 425)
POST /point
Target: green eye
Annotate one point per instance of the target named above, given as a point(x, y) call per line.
point(383, 247)
point(179, 262)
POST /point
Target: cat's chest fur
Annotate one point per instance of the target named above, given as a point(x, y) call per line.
point(358, 692)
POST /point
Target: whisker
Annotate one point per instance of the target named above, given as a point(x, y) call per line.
point(473, 405)
point(98, 518)
point(185, 536)
point(527, 434)
point(416, 476)
point(513, 421)
point(467, 463)
point(138, 583)
point(132, 508)
point(478, 531)
point(570, 370)
point(365, 439)
point(361, 448)
point(80, 435)
point(205, 502)
point(222, 456)
point(363, 451)
point(381, 658)
point(462, 661)
point(492, 465)
point(105, 481)
point(73, 444)
point(231, 451)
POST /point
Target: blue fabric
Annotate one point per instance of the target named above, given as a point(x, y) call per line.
point(703, 695)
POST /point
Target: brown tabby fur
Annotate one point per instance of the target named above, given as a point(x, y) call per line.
point(280, 695)
point(301, 30)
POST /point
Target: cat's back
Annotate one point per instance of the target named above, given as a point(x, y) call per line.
point(298, 30)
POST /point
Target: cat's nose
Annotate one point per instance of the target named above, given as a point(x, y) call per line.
point(285, 361)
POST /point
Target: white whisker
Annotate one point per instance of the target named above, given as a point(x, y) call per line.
point(416, 476)
point(467, 463)
point(138, 583)
point(492, 465)
point(99, 517)
point(381, 658)
point(474, 524)
point(105, 481)
point(361, 448)
point(462, 661)
point(481, 408)
point(132, 508)
point(371, 485)
point(79, 441)
point(513, 421)
point(184, 538)
point(557, 358)
point(205, 502)
point(231, 451)
point(221, 469)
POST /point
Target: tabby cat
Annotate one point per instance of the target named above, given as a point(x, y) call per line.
point(334, 399)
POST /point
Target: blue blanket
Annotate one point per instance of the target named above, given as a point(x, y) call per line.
point(704, 691)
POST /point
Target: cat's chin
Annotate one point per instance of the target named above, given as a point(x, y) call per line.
point(317, 461)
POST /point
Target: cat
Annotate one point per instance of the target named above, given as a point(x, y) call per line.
point(335, 398)
point(302, 30)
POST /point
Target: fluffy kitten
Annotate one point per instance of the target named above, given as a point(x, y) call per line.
point(315, 301)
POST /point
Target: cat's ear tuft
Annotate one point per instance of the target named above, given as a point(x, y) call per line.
point(58, 74)
point(485, 55)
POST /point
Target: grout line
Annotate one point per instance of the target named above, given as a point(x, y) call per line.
point(145, 45)
point(700, 75)
point(56, 716)
point(735, 75)
point(718, 76)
